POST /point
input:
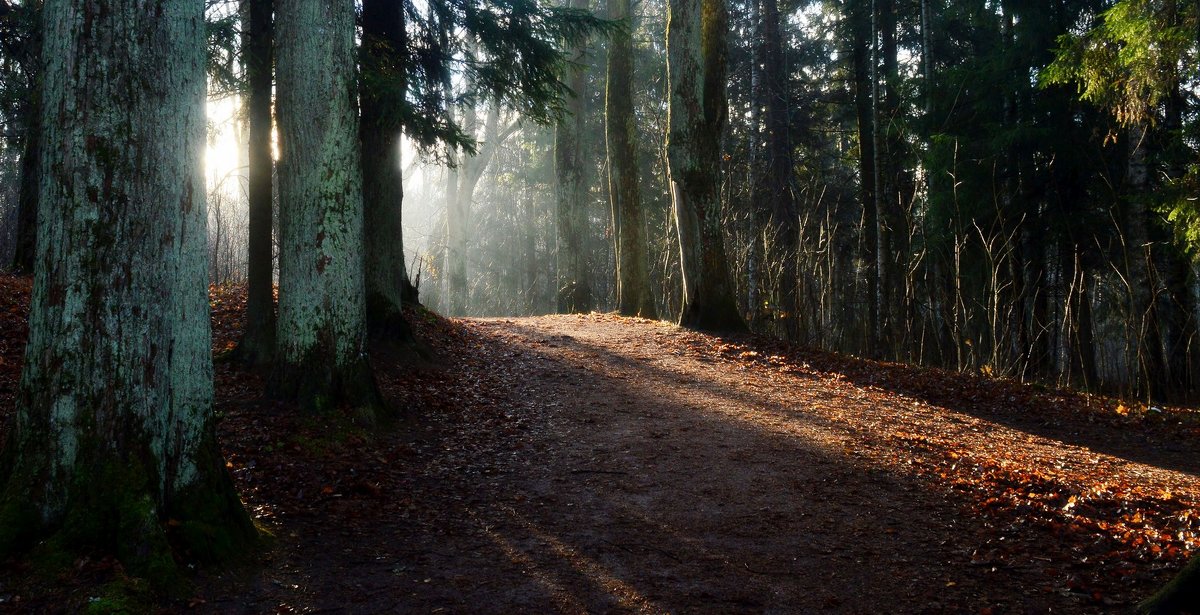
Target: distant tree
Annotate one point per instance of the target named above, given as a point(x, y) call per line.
point(1131, 63)
point(114, 446)
point(858, 20)
point(624, 189)
point(462, 178)
point(321, 355)
point(696, 50)
point(21, 44)
point(774, 191)
point(571, 194)
point(257, 345)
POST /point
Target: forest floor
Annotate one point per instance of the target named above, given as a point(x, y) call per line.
point(594, 463)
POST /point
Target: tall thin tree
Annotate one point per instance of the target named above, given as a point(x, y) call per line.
point(574, 289)
point(257, 345)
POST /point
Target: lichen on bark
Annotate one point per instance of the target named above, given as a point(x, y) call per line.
point(114, 426)
point(321, 357)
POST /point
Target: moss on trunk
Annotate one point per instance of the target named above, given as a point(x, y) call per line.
point(111, 508)
point(322, 335)
point(1180, 595)
point(322, 387)
point(113, 447)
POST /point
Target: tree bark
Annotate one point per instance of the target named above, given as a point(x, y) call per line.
point(29, 55)
point(624, 187)
point(779, 201)
point(257, 346)
point(114, 434)
point(27, 197)
point(321, 354)
point(1143, 304)
point(1180, 595)
point(574, 289)
point(696, 64)
point(859, 16)
point(888, 258)
point(382, 91)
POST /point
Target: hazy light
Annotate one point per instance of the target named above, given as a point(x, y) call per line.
point(224, 160)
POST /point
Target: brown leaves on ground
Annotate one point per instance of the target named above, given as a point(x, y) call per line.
point(1123, 522)
point(14, 328)
point(596, 464)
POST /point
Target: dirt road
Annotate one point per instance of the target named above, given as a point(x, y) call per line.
point(594, 464)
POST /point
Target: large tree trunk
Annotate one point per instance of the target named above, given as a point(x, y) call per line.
point(1180, 595)
point(696, 52)
point(574, 289)
point(257, 346)
point(115, 430)
point(383, 86)
point(624, 186)
point(321, 358)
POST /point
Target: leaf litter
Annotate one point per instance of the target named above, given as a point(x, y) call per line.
point(593, 463)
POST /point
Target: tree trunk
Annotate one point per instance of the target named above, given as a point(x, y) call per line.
point(321, 358)
point(888, 258)
point(257, 346)
point(27, 197)
point(1180, 595)
point(864, 93)
point(780, 202)
point(624, 188)
point(455, 266)
point(757, 217)
point(382, 90)
point(1139, 264)
point(464, 175)
point(115, 433)
point(574, 290)
point(696, 52)
point(29, 55)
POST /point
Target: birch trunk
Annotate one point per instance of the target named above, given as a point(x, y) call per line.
point(696, 54)
point(321, 358)
point(115, 431)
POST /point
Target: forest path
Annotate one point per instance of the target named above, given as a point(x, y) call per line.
point(601, 464)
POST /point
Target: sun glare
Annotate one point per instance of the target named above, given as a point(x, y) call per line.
point(223, 159)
